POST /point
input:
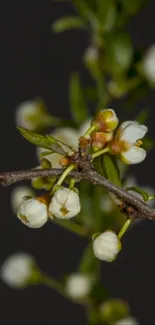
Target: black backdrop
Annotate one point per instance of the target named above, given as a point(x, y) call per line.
point(35, 62)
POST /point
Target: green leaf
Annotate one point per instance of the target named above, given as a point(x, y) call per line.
point(110, 169)
point(77, 101)
point(45, 141)
point(66, 23)
point(106, 12)
point(118, 53)
point(45, 153)
point(132, 6)
point(140, 191)
point(142, 116)
point(148, 143)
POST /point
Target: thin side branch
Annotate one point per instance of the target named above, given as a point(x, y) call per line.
point(144, 211)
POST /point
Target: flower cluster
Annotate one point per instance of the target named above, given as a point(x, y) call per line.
point(125, 142)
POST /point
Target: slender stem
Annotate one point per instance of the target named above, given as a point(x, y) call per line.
point(57, 286)
point(64, 174)
point(124, 228)
point(73, 227)
point(72, 183)
point(90, 130)
point(100, 152)
point(54, 284)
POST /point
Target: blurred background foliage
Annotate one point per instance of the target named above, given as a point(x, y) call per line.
point(118, 76)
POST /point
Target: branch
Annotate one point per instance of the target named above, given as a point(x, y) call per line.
point(144, 211)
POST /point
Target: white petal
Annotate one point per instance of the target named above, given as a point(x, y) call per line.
point(131, 131)
point(134, 155)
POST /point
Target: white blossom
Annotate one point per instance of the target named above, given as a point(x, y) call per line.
point(18, 194)
point(127, 321)
point(78, 285)
point(33, 213)
point(106, 246)
point(148, 64)
point(17, 269)
point(128, 134)
point(65, 204)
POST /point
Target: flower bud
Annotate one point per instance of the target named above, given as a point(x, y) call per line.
point(32, 114)
point(100, 139)
point(148, 65)
point(33, 212)
point(113, 310)
point(78, 286)
point(106, 120)
point(65, 204)
point(18, 194)
point(17, 269)
point(106, 246)
point(127, 321)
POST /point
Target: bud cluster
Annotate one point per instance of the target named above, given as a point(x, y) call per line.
point(63, 204)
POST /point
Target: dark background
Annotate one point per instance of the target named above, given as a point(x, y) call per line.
point(35, 62)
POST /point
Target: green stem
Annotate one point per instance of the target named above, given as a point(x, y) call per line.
point(54, 284)
point(64, 174)
point(124, 228)
point(72, 183)
point(90, 130)
point(100, 152)
point(73, 227)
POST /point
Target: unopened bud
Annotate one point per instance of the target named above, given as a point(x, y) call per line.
point(100, 139)
point(65, 204)
point(33, 212)
point(17, 269)
point(113, 310)
point(106, 120)
point(106, 246)
point(78, 285)
point(64, 161)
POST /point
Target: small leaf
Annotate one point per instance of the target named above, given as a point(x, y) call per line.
point(110, 169)
point(106, 12)
point(77, 100)
point(143, 116)
point(45, 141)
point(148, 143)
point(45, 153)
point(118, 53)
point(65, 23)
point(138, 190)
